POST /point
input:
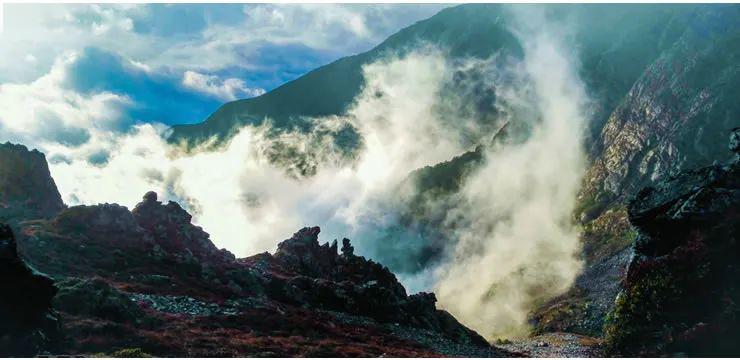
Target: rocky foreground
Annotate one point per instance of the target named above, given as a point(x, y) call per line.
point(149, 282)
point(681, 293)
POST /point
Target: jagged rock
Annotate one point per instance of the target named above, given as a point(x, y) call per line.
point(303, 254)
point(150, 197)
point(347, 249)
point(681, 292)
point(352, 284)
point(27, 190)
point(28, 323)
point(172, 229)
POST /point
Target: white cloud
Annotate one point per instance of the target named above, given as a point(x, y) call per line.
point(227, 90)
point(44, 114)
point(49, 30)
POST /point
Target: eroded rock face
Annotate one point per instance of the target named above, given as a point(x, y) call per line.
point(94, 297)
point(26, 187)
point(681, 291)
point(672, 116)
point(28, 322)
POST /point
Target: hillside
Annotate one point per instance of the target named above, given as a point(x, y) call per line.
point(616, 43)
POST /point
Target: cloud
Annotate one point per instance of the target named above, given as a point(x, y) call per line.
point(226, 90)
point(225, 40)
point(47, 113)
point(94, 94)
point(242, 197)
point(157, 96)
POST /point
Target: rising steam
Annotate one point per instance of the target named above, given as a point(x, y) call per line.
point(516, 245)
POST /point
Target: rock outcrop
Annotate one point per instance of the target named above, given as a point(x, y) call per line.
point(172, 229)
point(26, 187)
point(318, 276)
point(28, 322)
point(681, 294)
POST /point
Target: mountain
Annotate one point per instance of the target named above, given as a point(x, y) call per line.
point(616, 44)
point(147, 281)
point(330, 89)
point(658, 210)
point(663, 80)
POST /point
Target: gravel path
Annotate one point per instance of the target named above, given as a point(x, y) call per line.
point(557, 345)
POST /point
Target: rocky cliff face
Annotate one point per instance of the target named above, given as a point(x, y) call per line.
point(671, 117)
point(354, 285)
point(26, 187)
point(667, 122)
point(680, 294)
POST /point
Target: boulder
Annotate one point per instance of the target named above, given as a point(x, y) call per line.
point(94, 297)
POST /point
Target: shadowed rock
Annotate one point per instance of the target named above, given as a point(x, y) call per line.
point(321, 278)
point(25, 303)
point(681, 291)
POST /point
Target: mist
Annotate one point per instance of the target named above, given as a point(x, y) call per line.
point(248, 196)
point(516, 244)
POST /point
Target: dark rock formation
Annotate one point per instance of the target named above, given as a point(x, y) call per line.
point(681, 292)
point(348, 283)
point(172, 229)
point(26, 188)
point(134, 272)
point(28, 322)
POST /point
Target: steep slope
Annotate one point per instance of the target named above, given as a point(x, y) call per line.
point(681, 292)
point(674, 113)
point(668, 122)
point(329, 90)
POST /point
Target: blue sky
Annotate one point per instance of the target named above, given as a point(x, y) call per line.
point(117, 65)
